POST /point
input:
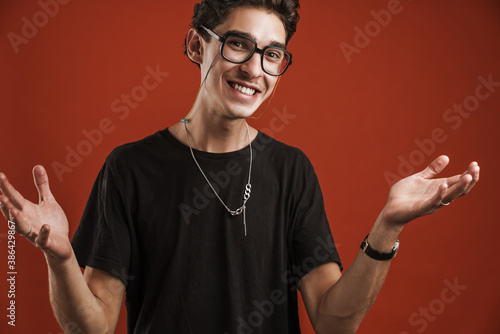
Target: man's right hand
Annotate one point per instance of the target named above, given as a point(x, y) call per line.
point(46, 220)
point(73, 296)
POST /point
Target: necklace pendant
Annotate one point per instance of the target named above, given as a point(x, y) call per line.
point(245, 219)
point(248, 191)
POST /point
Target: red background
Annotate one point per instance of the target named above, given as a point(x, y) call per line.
point(356, 121)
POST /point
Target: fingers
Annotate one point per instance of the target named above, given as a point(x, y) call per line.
point(439, 198)
point(435, 167)
point(42, 183)
point(22, 227)
point(455, 186)
point(433, 203)
point(4, 209)
point(8, 190)
point(459, 189)
point(473, 171)
point(460, 185)
point(12, 204)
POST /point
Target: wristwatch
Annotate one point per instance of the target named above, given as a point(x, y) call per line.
point(376, 255)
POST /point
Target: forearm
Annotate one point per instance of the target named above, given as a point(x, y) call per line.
point(345, 304)
point(74, 305)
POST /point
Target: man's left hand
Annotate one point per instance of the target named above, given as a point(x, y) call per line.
point(422, 194)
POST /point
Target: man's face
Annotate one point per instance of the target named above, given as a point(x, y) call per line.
point(224, 83)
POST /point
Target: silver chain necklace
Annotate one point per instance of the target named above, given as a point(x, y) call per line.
point(248, 187)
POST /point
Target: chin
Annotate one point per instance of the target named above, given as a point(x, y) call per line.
point(240, 114)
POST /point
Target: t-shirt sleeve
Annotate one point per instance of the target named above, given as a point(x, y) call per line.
point(103, 238)
point(313, 243)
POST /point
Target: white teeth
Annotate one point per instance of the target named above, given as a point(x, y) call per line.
point(244, 90)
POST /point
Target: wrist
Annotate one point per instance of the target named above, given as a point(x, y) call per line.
point(377, 255)
point(384, 234)
point(57, 262)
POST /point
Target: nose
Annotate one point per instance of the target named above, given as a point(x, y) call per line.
point(253, 65)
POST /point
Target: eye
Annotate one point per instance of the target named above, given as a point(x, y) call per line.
point(274, 54)
point(237, 44)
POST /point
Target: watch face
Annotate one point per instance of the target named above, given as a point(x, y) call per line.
point(395, 249)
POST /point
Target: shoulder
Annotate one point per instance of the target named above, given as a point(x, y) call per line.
point(281, 152)
point(137, 152)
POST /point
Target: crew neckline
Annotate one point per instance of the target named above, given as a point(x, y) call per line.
point(203, 154)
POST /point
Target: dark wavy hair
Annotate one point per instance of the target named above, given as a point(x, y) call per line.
point(211, 13)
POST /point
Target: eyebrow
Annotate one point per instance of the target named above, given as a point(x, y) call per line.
point(242, 33)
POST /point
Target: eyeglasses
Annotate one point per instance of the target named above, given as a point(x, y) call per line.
point(238, 48)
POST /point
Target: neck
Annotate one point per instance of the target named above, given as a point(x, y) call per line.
point(214, 135)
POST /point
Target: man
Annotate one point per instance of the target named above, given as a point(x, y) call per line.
point(209, 225)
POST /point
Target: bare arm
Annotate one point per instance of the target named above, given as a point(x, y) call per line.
point(88, 303)
point(91, 302)
point(338, 304)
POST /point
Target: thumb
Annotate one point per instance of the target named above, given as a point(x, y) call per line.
point(42, 183)
point(435, 167)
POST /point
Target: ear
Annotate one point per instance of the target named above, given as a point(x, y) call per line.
point(194, 46)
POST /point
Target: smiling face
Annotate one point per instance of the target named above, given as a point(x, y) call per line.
point(237, 90)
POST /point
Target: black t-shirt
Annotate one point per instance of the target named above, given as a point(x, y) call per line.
point(153, 221)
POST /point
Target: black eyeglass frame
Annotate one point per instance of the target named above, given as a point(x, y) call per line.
point(222, 41)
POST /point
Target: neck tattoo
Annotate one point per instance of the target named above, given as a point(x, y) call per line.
point(248, 186)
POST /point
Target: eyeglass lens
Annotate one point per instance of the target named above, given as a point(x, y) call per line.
point(239, 49)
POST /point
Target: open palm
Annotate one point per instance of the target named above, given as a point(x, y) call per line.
point(422, 194)
point(46, 222)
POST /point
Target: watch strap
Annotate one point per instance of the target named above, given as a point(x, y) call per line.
point(375, 254)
